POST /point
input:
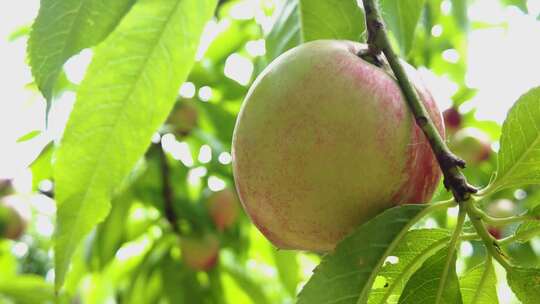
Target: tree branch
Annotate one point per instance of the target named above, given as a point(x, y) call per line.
point(450, 164)
point(167, 191)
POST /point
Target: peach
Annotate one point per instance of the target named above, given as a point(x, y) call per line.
point(200, 253)
point(223, 208)
point(184, 118)
point(471, 144)
point(12, 224)
point(324, 142)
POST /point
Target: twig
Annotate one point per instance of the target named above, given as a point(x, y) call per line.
point(450, 164)
point(497, 221)
point(167, 191)
point(451, 251)
point(492, 245)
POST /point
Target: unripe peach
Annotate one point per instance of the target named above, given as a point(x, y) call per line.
point(324, 142)
point(184, 118)
point(200, 253)
point(471, 144)
point(12, 224)
point(223, 208)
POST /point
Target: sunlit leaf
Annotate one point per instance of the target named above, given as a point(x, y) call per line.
point(519, 154)
point(401, 17)
point(347, 274)
point(479, 285)
point(246, 283)
point(26, 289)
point(524, 283)
point(436, 282)
point(28, 136)
point(127, 93)
point(306, 20)
point(521, 4)
point(410, 253)
point(459, 10)
point(529, 228)
point(65, 27)
point(288, 269)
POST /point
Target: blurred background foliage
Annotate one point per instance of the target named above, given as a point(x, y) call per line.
point(467, 52)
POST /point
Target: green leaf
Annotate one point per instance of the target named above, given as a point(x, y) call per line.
point(426, 285)
point(246, 283)
point(26, 289)
point(527, 230)
point(285, 33)
point(28, 136)
point(129, 89)
point(401, 17)
point(65, 27)
point(411, 252)
point(479, 285)
point(519, 154)
point(347, 274)
point(521, 4)
point(332, 19)
point(524, 283)
point(288, 269)
point(306, 20)
point(42, 166)
point(459, 11)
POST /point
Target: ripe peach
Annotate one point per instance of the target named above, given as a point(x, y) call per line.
point(200, 253)
point(223, 208)
point(452, 120)
point(324, 142)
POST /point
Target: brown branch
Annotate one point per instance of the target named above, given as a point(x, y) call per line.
point(450, 164)
point(167, 191)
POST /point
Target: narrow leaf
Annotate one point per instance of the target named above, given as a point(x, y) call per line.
point(347, 274)
point(285, 33)
point(459, 11)
point(28, 136)
point(415, 248)
point(401, 17)
point(434, 283)
point(26, 289)
point(65, 27)
point(288, 269)
point(127, 93)
point(524, 283)
point(479, 285)
point(521, 4)
point(306, 20)
point(519, 154)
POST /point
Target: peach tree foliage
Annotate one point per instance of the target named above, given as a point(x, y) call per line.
point(145, 49)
